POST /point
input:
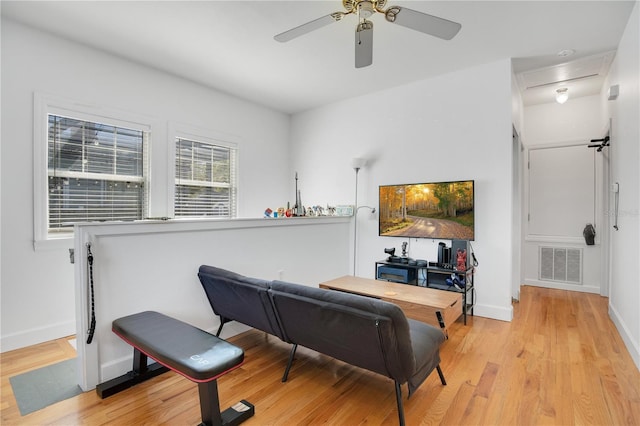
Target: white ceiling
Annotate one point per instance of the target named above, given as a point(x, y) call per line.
point(228, 45)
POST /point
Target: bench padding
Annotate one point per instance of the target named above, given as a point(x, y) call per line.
point(181, 347)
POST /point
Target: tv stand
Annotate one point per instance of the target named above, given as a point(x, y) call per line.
point(430, 276)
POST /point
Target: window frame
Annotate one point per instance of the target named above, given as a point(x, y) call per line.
point(45, 105)
point(207, 136)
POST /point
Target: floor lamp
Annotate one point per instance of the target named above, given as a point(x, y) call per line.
point(357, 164)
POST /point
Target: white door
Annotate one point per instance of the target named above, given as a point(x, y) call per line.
point(562, 200)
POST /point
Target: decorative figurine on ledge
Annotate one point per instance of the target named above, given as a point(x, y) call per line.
point(298, 208)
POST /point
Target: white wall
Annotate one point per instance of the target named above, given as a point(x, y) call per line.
point(517, 163)
point(37, 286)
point(577, 119)
point(548, 125)
point(454, 127)
point(140, 266)
point(624, 298)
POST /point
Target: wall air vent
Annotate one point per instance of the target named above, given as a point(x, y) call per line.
point(560, 265)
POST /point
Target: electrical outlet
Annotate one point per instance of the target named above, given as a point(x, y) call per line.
point(615, 187)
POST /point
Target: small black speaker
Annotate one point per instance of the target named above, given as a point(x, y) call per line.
point(444, 254)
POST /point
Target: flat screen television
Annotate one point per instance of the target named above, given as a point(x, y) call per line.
point(438, 210)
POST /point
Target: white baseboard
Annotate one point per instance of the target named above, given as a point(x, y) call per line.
point(627, 338)
point(37, 335)
point(563, 286)
point(500, 313)
point(116, 368)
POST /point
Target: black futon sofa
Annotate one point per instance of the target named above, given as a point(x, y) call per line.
point(362, 331)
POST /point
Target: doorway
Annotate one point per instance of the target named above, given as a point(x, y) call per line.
point(516, 213)
point(564, 197)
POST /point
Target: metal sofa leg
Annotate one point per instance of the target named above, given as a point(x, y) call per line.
point(444, 382)
point(399, 402)
point(291, 355)
point(223, 321)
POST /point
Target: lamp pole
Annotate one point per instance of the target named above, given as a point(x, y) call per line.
point(355, 224)
point(357, 164)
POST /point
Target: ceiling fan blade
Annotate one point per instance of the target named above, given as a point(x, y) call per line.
point(308, 27)
point(364, 44)
point(428, 24)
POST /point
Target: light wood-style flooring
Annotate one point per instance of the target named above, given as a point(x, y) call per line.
point(559, 362)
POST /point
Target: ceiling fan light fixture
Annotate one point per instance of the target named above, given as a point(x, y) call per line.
point(562, 95)
point(365, 9)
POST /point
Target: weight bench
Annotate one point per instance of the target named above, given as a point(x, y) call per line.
point(195, 354)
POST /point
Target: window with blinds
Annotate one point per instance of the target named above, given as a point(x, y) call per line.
point(205, 180)
point(95, 173)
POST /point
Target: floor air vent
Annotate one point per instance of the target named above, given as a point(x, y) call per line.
point(561, 264)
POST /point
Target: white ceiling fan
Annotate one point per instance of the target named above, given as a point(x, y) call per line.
point(428, 24)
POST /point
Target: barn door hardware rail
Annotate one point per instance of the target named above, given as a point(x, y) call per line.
point(599, 143)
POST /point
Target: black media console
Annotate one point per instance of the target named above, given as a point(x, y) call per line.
point(431, 275)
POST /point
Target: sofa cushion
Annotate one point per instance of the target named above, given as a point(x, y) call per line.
point(362, 331)
point(223, 273)
point(426, 341)
point(359, 330)
point(235, 297)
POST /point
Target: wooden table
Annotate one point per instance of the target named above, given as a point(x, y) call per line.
point(436, 307)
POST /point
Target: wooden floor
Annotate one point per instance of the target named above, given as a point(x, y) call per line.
point(560, 362)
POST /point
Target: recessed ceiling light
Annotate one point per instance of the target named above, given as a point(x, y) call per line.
point(566, 52)
point(562, 95)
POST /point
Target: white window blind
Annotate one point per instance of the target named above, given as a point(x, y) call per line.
point(205, 180)
point(96, 172)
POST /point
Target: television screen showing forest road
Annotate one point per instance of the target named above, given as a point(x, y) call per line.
point(428, 210)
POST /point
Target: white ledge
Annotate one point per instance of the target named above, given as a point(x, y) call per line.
point(189, 225)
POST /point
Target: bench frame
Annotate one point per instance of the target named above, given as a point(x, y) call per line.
point(207, 389)
point(141, 372)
